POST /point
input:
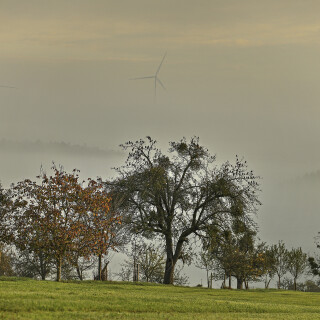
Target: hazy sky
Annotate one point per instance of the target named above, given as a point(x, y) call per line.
point(244, 76)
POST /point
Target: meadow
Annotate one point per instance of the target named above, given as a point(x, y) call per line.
point(31, 299)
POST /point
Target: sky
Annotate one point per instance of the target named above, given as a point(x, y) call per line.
point(244, 76)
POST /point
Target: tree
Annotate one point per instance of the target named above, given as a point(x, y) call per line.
point(62, 218)
point(251, 266)
point(6, 262)
point(147, 263)
point(280, 254)
point(314, 266)
point(236, 253)
point(180, 194)
point(5, 221)
point(314, 262)
point(103, 223)
point(288, 284)
point(269, 266)
point(148, 258)
point(151, 261)
point(119, 237)
point(219, 244)
point(310, 286)
point(5, 235)
point(206, 261)
point(33, 265)
point(46, 215)
point(245, 255)
point(297, 264)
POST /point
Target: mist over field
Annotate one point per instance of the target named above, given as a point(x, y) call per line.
point(242, 75)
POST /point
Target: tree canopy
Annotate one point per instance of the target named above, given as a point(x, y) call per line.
point(179, 194)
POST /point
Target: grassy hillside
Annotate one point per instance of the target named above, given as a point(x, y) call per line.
point(30, 299)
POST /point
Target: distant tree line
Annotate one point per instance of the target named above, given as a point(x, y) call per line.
point(181, 200)
point(236, 254)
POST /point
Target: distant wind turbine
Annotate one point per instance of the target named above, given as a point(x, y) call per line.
point(155, 77)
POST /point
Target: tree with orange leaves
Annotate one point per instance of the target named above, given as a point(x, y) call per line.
point(60, 216)
point(101, 223)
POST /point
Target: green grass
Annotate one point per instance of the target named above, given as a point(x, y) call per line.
point(30, 299)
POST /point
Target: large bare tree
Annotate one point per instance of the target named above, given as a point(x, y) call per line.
point(178, 194)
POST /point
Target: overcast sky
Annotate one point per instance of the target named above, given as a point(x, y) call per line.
point(244, 76)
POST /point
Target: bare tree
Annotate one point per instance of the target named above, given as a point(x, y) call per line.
point(146, 262)
point(206, 261)
point(151, 261)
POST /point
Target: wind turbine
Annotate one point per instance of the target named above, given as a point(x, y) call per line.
point(155, 77)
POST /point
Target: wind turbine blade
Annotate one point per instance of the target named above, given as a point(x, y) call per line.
point(8, 87)
point(161, 84)
point(161, 63)
point(142, 78)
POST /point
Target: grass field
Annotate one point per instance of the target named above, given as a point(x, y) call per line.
point(30, 299)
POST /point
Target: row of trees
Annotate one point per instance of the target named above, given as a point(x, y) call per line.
point(238, 255)
point(59, 219)
point(180, 198)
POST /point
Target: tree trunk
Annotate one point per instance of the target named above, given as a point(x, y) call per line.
point(59, 262)
point(279, 282)
point(173, 256)
point(239, 283)
point(134, 270)
point(138, 272)
point(168, 273)
point(268, 283)
point(224, 280)
point(104, 272)
point(99, 266)
point(43, 266)
point(295, 284)
point(230, 281)
point(79, 273)
point(42, 269)
point(170, 263)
